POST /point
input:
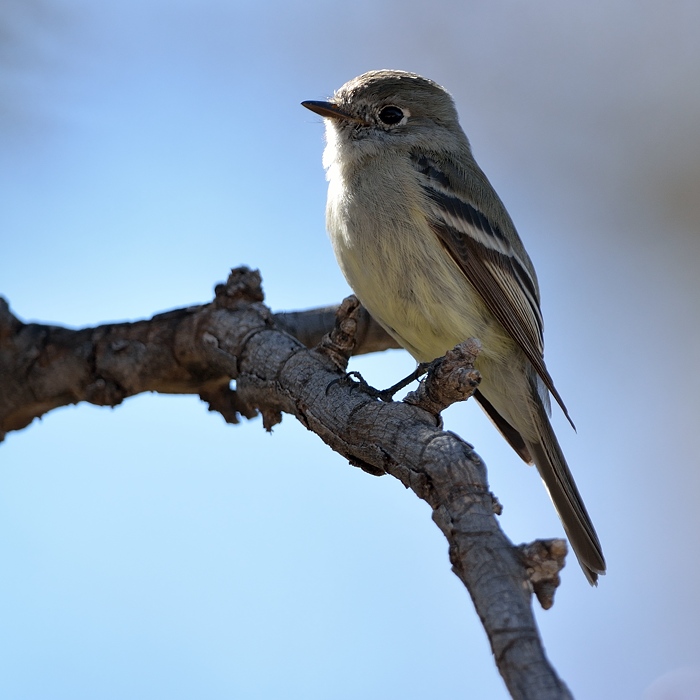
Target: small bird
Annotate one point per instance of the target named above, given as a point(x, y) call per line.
point(431, 252)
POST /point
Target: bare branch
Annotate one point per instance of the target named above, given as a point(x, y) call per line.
point(200, 349)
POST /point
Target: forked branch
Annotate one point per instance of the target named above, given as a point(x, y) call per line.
point(282, 363)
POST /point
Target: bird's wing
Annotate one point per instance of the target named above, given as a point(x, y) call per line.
point(493, 266)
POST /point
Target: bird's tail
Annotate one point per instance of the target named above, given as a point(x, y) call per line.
point(561, 486)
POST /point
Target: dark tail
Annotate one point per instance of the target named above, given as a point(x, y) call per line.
point(555, 473)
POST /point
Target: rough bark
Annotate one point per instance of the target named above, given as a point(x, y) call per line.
point(285, 363)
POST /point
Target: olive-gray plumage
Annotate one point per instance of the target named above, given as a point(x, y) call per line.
point(431, 252)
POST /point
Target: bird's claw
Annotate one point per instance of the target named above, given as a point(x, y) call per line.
point(355, 381)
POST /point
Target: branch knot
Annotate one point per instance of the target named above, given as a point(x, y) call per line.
point(243, 286)
point(543, 560)
point(339, 344)
point(450, 379)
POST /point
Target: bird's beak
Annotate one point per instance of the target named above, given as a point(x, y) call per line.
point(330, 111)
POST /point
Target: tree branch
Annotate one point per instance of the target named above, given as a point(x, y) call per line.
point(200, 349)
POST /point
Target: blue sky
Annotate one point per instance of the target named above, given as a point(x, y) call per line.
point(152, 550)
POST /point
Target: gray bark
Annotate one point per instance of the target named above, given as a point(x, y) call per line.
point(286, 363)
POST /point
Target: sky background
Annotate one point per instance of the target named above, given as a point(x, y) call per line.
point(146, 147)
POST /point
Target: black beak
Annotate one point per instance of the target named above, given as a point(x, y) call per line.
point(329, 110)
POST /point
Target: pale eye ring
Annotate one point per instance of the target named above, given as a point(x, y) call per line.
point(391, 115)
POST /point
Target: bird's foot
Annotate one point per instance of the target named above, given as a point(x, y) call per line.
point(355, 380)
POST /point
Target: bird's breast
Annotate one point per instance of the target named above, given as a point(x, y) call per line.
point(398, 268)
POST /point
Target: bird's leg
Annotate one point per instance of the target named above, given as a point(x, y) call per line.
point(418, 372)
point(355, 380)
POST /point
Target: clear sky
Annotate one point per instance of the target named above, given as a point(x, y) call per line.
point(146, 147)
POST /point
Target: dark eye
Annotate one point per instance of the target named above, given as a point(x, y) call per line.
point(391, 115)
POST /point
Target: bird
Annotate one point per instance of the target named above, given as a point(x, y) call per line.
point(430, 251)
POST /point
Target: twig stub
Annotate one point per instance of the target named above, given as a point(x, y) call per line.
point(450, 379)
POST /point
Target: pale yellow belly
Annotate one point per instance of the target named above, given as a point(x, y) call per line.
point(405, 278)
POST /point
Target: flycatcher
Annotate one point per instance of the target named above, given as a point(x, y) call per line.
point(431, 252)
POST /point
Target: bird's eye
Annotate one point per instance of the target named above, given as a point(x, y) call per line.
point(391, 115)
